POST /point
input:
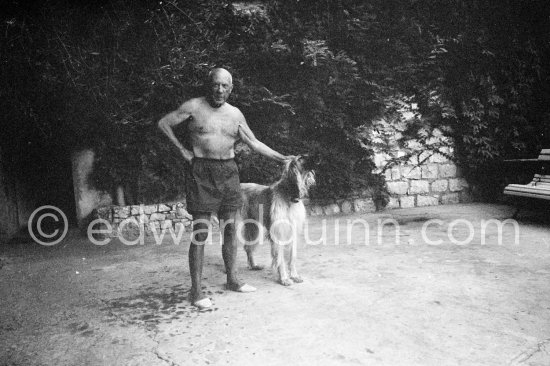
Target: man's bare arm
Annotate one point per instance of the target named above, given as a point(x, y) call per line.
point(172, 119)
point(247, 136)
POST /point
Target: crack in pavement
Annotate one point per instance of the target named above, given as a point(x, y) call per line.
point(524, 356)
point(161, 356)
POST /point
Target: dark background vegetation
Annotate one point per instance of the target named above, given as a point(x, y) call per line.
point(310, 76)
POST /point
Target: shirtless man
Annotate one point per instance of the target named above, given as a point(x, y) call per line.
point(214, 126)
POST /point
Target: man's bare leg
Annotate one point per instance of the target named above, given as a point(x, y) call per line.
point(196, 255)
point(229, 251)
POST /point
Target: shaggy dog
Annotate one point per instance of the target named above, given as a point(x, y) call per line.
point(277, 214)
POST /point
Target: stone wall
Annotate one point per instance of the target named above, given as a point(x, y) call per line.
point(436, 181)
point(418, 174)
point(150, 220)
point(132, 221)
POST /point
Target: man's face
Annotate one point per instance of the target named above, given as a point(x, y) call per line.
point(220, 86)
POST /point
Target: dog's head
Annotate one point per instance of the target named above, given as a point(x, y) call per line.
point(298, 177)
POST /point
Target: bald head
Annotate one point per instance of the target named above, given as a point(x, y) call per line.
point(220, 72)
point(221, 85)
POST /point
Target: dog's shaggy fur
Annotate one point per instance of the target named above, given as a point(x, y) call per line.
point(277, 214)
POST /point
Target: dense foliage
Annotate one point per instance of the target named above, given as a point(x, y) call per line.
point(309, 76)
point(475, 71)
point(490, 83)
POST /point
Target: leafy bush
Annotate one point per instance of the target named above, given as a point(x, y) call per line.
point(123, 66)
point(491, 60)
point(309, 76)
point(476, 71)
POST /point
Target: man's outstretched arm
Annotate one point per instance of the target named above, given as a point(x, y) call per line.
point(247, 136)
point(172, 119)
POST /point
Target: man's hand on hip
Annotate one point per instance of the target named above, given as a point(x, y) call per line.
point(187, 155)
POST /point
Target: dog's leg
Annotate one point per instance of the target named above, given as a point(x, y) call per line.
point(249, 249)
point(251, 237)
point(278, 255)
point(278, 261)
point(294, 276)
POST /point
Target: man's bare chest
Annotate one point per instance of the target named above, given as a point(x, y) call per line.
point(213, 125)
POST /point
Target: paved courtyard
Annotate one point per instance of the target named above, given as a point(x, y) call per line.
point(459, 292)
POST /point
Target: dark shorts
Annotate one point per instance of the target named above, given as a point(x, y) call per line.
point(213, 185)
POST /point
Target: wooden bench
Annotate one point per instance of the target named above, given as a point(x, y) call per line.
point(539, 187)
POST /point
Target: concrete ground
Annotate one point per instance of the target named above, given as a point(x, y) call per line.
point(392, 297)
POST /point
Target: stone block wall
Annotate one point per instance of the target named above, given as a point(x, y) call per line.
point(407, 189)
point(437, 181)
point(429, 181)
point(150, 220)
point(131, 221)
point(416, 176)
